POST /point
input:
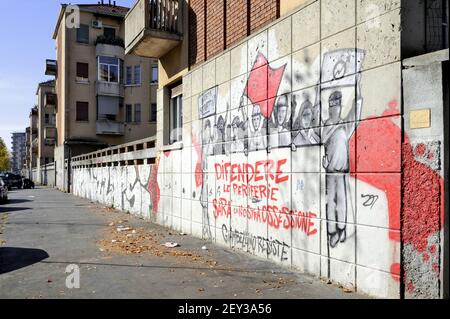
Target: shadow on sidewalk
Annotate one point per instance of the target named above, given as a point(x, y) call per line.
point(13, 258)
point(18, 201)
point(4, 209)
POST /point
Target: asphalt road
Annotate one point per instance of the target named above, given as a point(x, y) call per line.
point(42, 231)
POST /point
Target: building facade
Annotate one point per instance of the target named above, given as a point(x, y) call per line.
point(18, 154)
point(104, 97)
point(45, 138)
point(46, 122)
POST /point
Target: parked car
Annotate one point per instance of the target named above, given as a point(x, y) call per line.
point(5, 179)
point(3, 191)
point(12, 180)
point(27, 183)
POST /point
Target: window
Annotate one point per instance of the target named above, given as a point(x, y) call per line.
point(176, 118)
point(108, 69)
point(129, 113)
point(137, 74)
point(83, 111)
point(83, 34)
point(153, 112)
point(49, 119)
point(129, 75)
point(137, 113)
point(109, 33)
point(82, 70)
point(154, 78)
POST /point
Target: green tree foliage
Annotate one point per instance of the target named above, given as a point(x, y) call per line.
point(4, 157)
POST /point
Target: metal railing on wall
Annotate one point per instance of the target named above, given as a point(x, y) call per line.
point(437, 17)
point(164, 15)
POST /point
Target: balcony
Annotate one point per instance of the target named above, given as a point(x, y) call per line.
point(49, 142)
point(153, 27)
point(51, 67)
point(50, 133)
point(107, 127)
point(50, 100)
point(111, 47)
point(34, 145)
point(109, 88)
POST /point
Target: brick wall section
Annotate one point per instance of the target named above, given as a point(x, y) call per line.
point(196, 31)
point(262, 12)
point(215, 27)
point(242, 18)
point(236, 21)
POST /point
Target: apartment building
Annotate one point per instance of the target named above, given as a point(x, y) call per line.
point(46, 122)
point(104, 97)
point(28, 152)
point(18, 152)
point(33, 137)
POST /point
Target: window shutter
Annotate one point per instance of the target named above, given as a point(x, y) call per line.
point(176, 91)
point(82, 70)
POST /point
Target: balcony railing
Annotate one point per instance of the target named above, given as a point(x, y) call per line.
point(50, 133)
point(109, 88)
point(153, 27)
point(106, 127)
point(35, 144)
point(50, 99)
point(164, 15)
point(111, 47)
point(49, 142)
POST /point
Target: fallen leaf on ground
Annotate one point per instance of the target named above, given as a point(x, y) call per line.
point(347, 290)
point(143, 240)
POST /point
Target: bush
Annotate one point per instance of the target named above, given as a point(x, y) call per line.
point(111, 41)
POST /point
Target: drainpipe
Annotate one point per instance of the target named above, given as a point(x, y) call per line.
point(446, 256)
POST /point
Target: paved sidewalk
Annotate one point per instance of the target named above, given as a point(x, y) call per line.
point(42, 231)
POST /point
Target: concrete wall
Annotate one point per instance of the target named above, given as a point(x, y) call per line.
point(123, 187)
point(61, 173)
point(45, 175)
point(323, 196)
point(423, 179)
point(292, 193)
point(292, 152)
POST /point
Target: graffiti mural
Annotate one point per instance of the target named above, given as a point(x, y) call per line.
point(129, 188)
point(265, 121)
point(340, 73)
point(269, 171)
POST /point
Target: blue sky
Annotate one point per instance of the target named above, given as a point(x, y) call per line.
point(26, 30)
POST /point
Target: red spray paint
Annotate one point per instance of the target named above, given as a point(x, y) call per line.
point(198, 165)
point(263, 83)
point(153, 187)
point(377, 143)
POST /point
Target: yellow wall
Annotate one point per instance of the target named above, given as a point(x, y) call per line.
point(69, 91)
point(289, 5)
point(175, 64)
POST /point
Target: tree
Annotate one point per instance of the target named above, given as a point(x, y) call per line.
point(4, 156)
